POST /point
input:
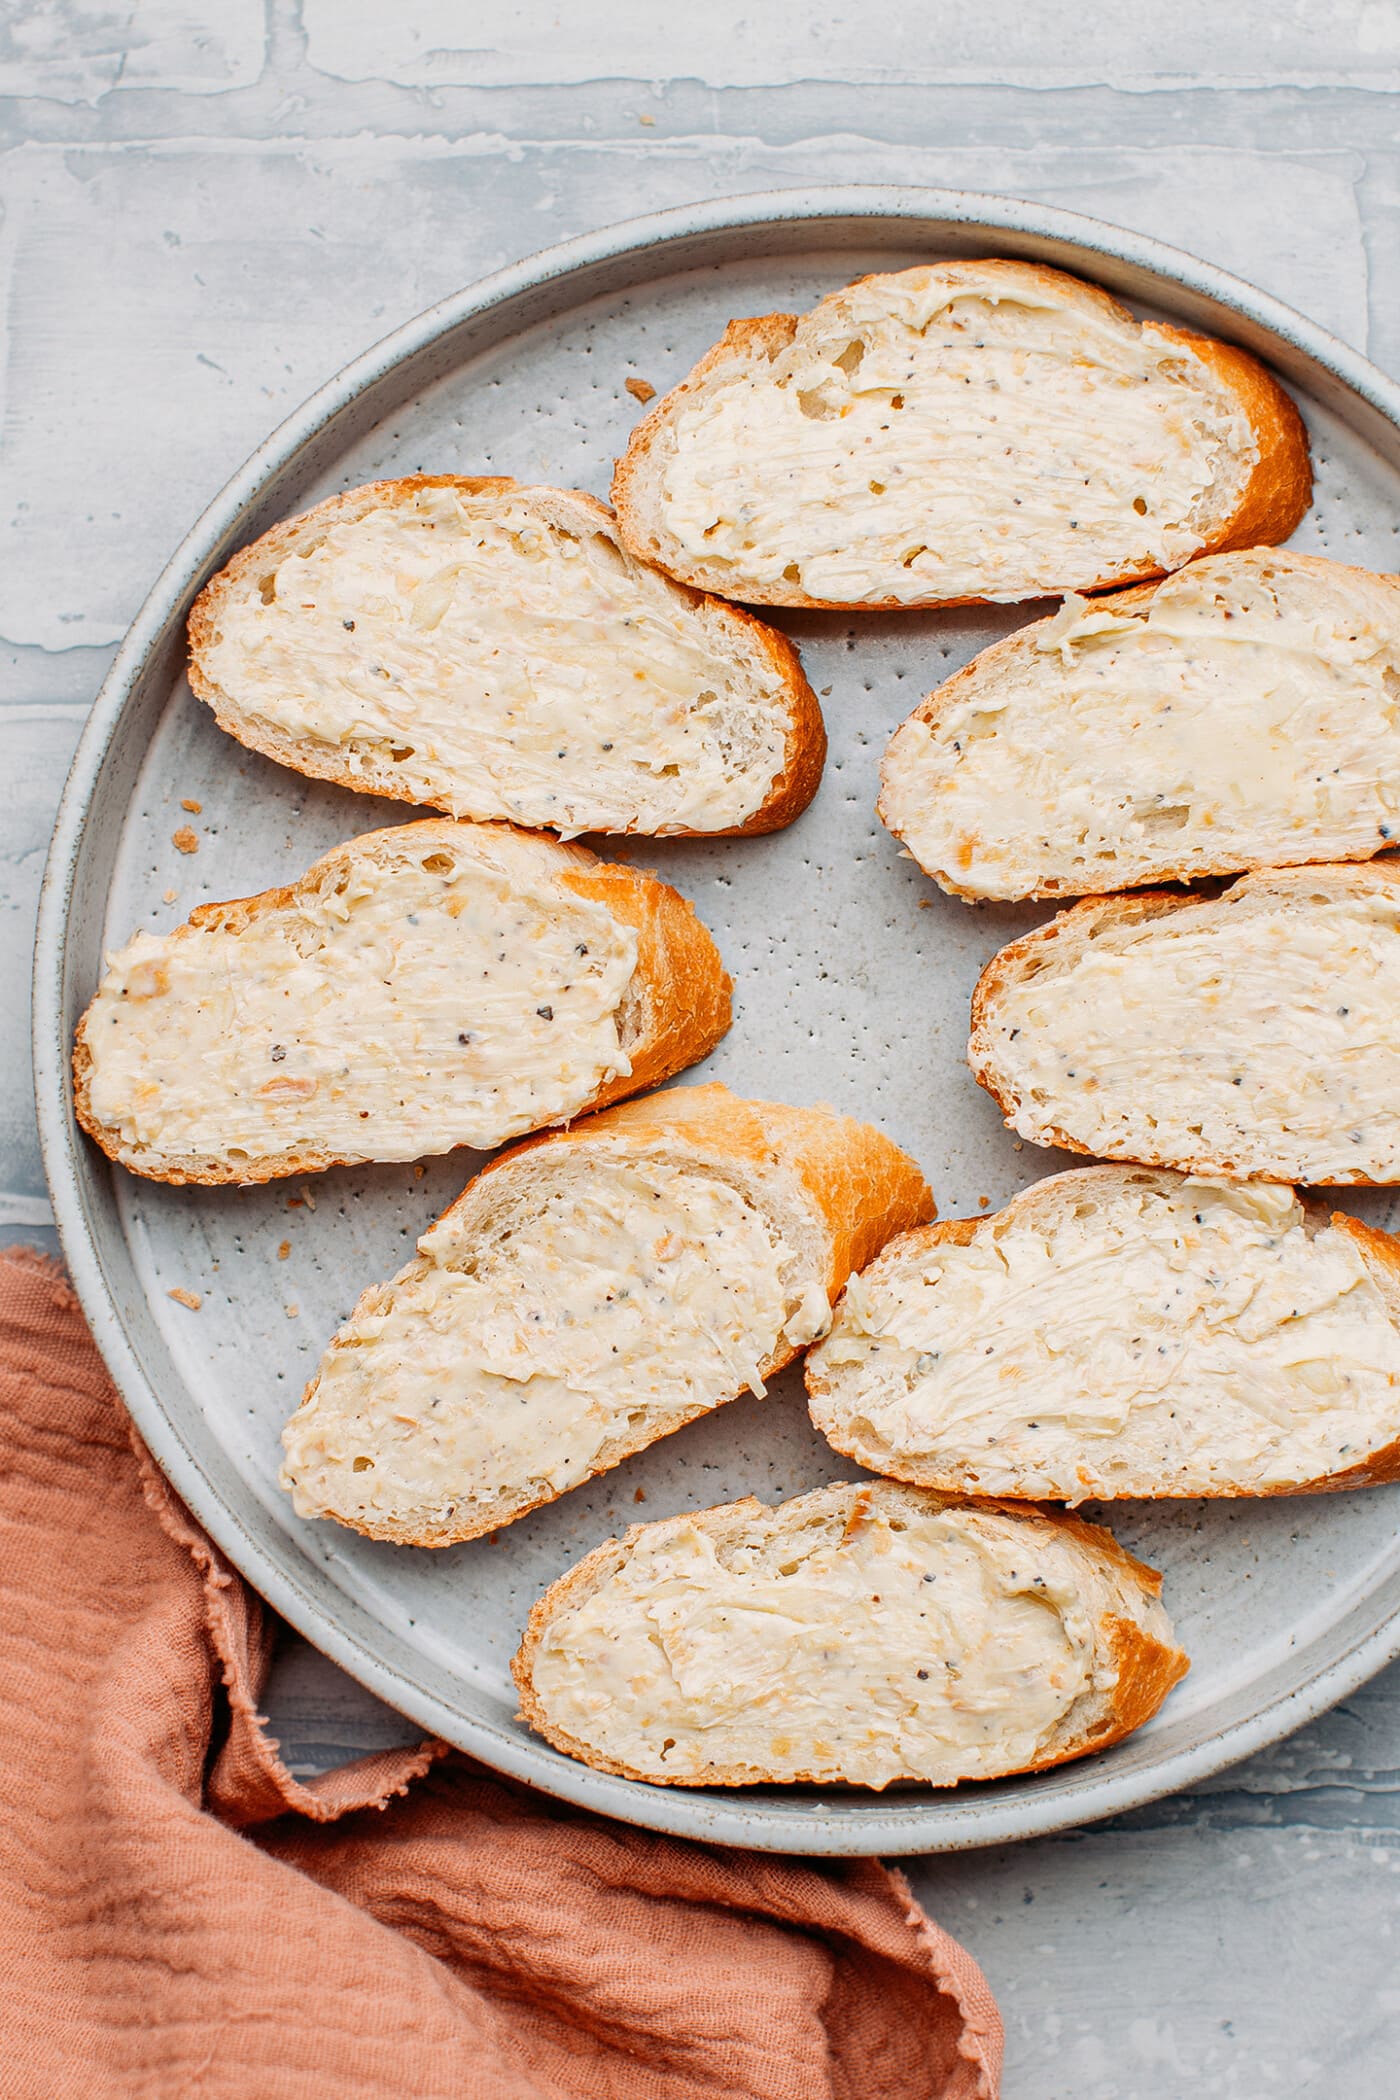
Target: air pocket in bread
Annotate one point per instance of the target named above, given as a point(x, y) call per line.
point(866, 1634)
point(1238, 715)
point(1251, 1035)
point(492, 651)
point(953, 433)
point(1118, 1331)
point(587, 1294)
point(434, 985)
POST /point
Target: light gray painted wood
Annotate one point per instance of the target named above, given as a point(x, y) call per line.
point(209, 206)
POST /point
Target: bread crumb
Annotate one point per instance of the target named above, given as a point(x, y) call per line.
point(295, 1203)
point(192, 806)
point(293, 1312)
point(983, 1201)
point(170, 896)
point(183, 1297)
point(640, 389)
point(284, 1250)
point(640, 1496)
point(419, 1171)
point(826, 692)
point(185, 840)
point(925, 904)
point(646, 120)
point(307, 1198)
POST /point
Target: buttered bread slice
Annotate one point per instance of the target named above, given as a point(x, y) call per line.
point(1255, 1034)
point(955, 433)
point(434, 985)
point(587, 1294)
point(867, 1634)
point(1238, 715)
point(493, 651)
point(1117, 1331)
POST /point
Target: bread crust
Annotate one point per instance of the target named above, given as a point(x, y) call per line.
point(1072, 928)
point(988, 665)
point(1148, 1668)
point(859, 1186)
point(805, 732)
point(1273, 501)
point(1379, 1250)
point(678, 1001)
point(858, 1182)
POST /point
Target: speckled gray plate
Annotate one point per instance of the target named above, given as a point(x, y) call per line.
point(853, 974)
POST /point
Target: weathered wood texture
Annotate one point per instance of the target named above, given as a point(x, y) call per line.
point(209, 205)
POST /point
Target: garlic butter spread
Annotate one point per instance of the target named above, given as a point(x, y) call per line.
point(1244, 715)
point(1261, 1030)
point(929, 1645)
point(498, 665)
point(1170, 1339)
point(501, 1364)
point(929, 434)
point(419, 1003)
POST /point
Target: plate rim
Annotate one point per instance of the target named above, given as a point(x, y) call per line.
point(947, 1820)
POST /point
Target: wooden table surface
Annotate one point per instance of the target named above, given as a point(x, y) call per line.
point(208, 205)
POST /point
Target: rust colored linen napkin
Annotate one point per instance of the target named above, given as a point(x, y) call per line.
point(181, 1917)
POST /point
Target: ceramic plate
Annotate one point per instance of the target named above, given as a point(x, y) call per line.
point(852, 973)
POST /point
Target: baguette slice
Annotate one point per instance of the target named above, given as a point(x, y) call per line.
point(868, 1633)
point(434, 985)
point(1238, 715)
point(492, 651)
point(1255, 1034)
point(587, 1294)
point(953, 434)
point(1115, 1332)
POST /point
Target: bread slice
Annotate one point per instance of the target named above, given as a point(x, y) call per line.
point(1119, 1331)
point(868, 1634)
point(1254, 1034)
point(434, 985)
point(587, 1294)
point(492, 651)
point(953, 434)
point(1239, 715)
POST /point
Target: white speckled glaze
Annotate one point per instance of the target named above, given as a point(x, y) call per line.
point(853, 975)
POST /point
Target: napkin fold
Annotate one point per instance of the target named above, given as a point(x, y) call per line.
point(181, 1919)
